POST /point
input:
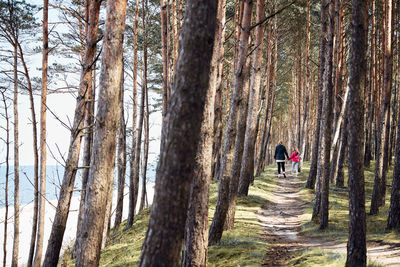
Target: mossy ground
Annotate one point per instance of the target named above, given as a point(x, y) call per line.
point(243, 245)
point(339, 219)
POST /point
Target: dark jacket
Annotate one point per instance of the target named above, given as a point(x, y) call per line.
point(280, 152)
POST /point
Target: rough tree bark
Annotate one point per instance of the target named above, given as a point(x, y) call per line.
point(162, 246)
point(326, 123)
point(105, 131)
point(356, 245)
point(218, 222)
point(71, 165)
point(196, 230)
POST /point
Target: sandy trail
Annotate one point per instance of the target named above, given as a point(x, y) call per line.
point(281, 221)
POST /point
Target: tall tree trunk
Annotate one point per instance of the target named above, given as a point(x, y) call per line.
point(307, 82)
point(327, 117)
point(356, 245)
point(384, 118)
point(87, 152)
point(162, 246)
point(105, 129)
point(247, 164)
point(132, 185)
point(238, 153)
point(322, 54)
point(121, 156)
point(218, 222)
point(14, 261)
point(196, 230)
point(43, 108)
point(7, 141)
point(35, 159)
point(145, 105)
point(67, 187)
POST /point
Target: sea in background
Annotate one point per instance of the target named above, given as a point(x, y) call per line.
point(54, 179)
point(54, 176)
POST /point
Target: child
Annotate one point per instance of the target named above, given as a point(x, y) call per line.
point(295, 157)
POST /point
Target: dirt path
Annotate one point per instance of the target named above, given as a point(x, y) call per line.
point(281, 220)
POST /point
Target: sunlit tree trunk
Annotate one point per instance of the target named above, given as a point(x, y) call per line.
point(77, 131)
point(104, 142)
point(43, 108)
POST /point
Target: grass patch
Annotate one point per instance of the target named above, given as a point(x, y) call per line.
point(241, 246)
point(339, 218)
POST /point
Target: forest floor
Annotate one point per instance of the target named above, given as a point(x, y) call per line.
point(292, 240)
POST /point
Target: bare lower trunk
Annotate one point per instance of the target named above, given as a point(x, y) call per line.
point(162, 246)
point(196, 230)
point(105, 132)
point(342, 154)
point(356, 245)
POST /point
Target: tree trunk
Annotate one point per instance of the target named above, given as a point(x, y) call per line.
point(238, 153)
point(196, 230)
point(105, 131)
point(132, 184)
point(218, 222)
point(356, 245)
point(7, 141)
point(162, 246)
point(342, 153)
point(322, 54)
point(121, 157)
point(35, 160)
point(14, 261)
point(146, 107)
point(327, 117)
point(87, 151)
point(379, 190)
point(164, 51)
point(43, 108)
point(247, 163)
point(67, 187)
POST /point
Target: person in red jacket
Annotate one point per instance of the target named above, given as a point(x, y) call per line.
point(295, 157)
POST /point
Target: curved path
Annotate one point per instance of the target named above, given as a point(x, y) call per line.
point(281, 221)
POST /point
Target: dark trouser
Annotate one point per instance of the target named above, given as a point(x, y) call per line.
point(281, 165)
